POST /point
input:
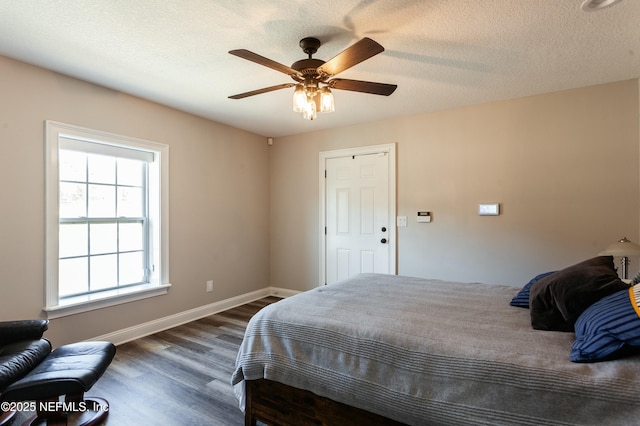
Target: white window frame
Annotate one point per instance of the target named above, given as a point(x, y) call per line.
point(159, 227)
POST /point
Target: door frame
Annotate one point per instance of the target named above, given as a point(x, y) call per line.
point(390, 150)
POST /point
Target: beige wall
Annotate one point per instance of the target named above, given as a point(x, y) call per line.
point(219, 194)
point(564, 166)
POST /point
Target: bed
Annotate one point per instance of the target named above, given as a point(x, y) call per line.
point(384, 349)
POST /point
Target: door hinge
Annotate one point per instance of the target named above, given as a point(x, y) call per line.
point(325, 230)
point(325, 174)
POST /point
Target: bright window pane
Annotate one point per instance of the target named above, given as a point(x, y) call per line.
point(73, 239)
point(130, 202)
point(131, 268)
point(102, 201)
point(72, 276)
point(131, 236)
point(73, 200)
point(102, 169)
point(103, 238)
point(130, 172)
point(73, 165)
point(104, 272)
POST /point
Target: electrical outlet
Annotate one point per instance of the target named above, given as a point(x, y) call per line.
point(209, 286)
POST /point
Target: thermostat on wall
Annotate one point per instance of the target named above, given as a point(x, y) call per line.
point(489, 209)
point(424, 217)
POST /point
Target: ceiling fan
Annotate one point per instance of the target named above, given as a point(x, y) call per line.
point(314, 77)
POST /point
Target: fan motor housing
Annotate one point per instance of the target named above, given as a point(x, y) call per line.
point(307, 66)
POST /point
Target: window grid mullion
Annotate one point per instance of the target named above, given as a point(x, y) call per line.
point(86, 201)
point(117, 190)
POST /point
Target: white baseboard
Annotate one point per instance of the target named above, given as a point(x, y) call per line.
point(283, 292)
point(137, 331)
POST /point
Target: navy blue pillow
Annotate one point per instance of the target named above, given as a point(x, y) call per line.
point(521, 300)
point(608, 327)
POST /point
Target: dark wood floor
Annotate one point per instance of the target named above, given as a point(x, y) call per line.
point(179, 376)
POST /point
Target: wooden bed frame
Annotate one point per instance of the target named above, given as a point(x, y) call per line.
point(277, 404)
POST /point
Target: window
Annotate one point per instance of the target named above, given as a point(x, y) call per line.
point(106, 219)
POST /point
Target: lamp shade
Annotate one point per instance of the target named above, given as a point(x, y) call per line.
point(623, 247)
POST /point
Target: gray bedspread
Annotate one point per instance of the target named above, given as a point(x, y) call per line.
point(429, 352)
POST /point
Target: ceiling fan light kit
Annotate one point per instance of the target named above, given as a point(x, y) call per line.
point(312, 93)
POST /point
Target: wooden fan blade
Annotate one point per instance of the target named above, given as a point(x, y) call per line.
point(260, 91)
point(363, 86)
point(352, 55)
point(254, 57)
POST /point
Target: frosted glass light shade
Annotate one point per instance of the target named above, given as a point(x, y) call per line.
point(326, 100)
point(299, 98)
point(310, 112)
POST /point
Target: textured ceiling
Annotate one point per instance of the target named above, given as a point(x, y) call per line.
point(441, 53)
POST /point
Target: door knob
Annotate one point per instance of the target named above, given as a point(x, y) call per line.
point(384, 229)
point(383, 241)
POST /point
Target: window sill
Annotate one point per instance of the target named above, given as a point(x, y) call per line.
point(76, 305)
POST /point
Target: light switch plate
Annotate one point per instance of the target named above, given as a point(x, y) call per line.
point(401, 221)
point(489, 209)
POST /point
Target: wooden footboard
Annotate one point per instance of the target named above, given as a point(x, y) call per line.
point(280, 405)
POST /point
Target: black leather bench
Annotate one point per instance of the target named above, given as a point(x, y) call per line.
point(70, 370)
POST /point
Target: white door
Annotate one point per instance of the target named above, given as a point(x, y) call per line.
point(358, 226)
